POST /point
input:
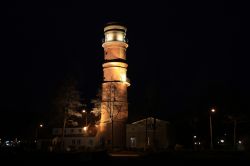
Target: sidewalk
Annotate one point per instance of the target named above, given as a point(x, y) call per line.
point(124, 154)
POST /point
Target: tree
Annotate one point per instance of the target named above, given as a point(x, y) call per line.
point(114, 107)
point(66, 104)
point(96, 110)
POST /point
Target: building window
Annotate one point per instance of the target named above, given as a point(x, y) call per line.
point(79, 142)
point(73, 142)
point(90, 142)
point(109, 142)
point(148, 142)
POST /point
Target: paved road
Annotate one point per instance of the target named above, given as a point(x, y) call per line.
point(127, 157)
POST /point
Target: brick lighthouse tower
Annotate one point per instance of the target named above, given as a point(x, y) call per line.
point(114, 106)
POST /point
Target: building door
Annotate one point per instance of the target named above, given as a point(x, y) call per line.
point(132, 142)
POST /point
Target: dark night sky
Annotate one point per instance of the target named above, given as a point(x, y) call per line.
point(183, 57)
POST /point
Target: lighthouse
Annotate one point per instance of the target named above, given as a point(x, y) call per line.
point(114, 105)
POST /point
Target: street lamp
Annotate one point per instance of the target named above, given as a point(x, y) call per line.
point(85, 128)
point(194, 142)
point(83, 111)
point(37, 128)
point(211, 128)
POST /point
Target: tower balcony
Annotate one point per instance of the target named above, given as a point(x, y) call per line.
point(127, 81)
point(114, 63)
point(104, 40)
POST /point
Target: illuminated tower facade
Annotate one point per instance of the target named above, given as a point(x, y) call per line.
point(114, 106)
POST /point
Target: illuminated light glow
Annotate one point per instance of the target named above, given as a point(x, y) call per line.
point(240, 142)
point(123, 78)
point(194, 136)
point(222, 140)
point(212, 110)
point(85, 128)
point(109, 37)
point(41, 125)
point(83, 111)
point(114, 36)
point(120, 37)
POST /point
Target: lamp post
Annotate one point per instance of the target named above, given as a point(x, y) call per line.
point(83, 111)
point(235, 123)
point(211, 128)
point(37, 128)
point(37, 144)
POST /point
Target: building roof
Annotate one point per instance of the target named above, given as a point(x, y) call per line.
point(150, 120)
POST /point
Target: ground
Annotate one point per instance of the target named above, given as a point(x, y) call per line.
point(192, 157)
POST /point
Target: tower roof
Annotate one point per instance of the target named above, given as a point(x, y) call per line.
point(114, 26)
point(114, 23)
